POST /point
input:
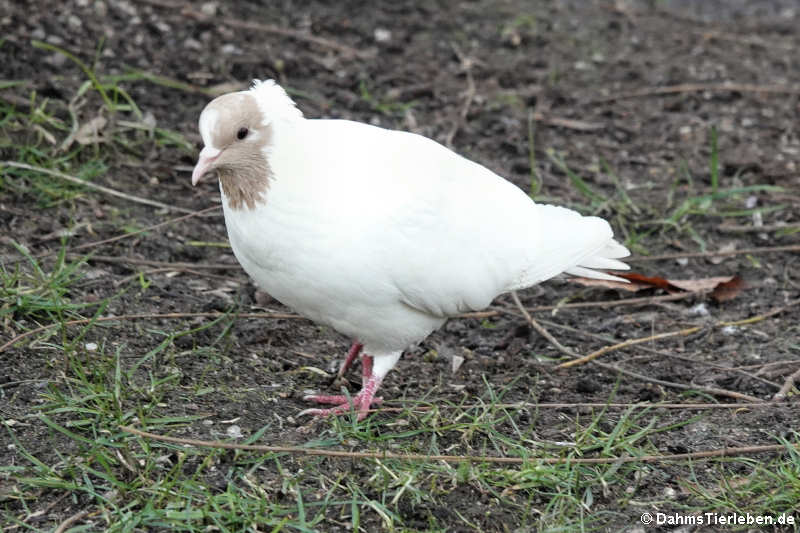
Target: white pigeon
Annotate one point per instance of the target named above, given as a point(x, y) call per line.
point(380, 234)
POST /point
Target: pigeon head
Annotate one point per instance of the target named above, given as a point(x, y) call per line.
point(237, 131)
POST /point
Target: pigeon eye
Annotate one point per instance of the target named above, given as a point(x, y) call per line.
point(242, 133)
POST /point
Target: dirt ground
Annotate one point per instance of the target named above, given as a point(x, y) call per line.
point(469, 74)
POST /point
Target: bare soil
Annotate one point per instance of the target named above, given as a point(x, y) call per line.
point(468, 73)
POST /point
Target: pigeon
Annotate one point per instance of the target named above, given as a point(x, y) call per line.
point(379, 234)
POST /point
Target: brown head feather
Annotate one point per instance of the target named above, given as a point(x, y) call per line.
point(242, 165)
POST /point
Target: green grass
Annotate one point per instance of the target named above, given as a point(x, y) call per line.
point(69, 453)
point(60, 136)
point(535, 180)
point(384, 106)
point(126, 482)
point(32, 290)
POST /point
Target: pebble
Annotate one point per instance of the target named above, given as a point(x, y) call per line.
point(457, 361)
point(382, 35)
point(699, 310)
point(192, 44)
point(55, 39)
point(126, 7)
point(209, 9)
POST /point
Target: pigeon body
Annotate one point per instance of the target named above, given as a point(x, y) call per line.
point(380, 234)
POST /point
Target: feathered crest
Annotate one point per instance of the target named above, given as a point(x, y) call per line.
point(273, 101)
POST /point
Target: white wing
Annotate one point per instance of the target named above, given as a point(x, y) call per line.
point(381, 221)
point(486, 237)
point(405, 219)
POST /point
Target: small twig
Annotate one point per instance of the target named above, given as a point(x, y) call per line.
point(671, 384)
point(469, 95)
point(576, 405)
point(143, 230)
point(568, 123)
point(720, 368)
point(152, 263)
point(100, 188)
point(721, 392)
point(143, 316)
point(52, 504)
point(126, 279)
point(63, 526)
point(538, 327)
point(696, 87)
point(297, 450)
point(787, 386)
point(662, 353)
point(679, 333)
point(730, 228)
point(742, 39)
point(165, 3)
point(643, 300)
point(763, 366)
point(719, 253)
point(12, 98)
point(630, 342)
point(71, 251)
point(344, 49)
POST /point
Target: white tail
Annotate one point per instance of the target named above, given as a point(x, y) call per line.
point(568, 242)
point(606, 258)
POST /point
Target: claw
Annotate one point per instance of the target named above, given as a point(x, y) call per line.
point(335, 399)
point(361, 402)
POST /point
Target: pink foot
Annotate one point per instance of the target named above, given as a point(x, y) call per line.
point(360, 403)
point(338, 400)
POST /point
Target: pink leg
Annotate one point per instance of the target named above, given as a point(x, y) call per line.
point(366, 369)
point(338, 399)
point(355, 349)
point(361, 402)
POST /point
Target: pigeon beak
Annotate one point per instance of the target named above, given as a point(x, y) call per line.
point(205, 163)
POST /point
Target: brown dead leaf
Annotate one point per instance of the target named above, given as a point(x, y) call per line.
point(728, 290)
point(609, 284)
point(649, 281)
point(89, 132)
point(702, 284)
point(721, 288)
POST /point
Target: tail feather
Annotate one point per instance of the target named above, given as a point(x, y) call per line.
point(615, 250)
point(598, 261)
point(605, 258)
